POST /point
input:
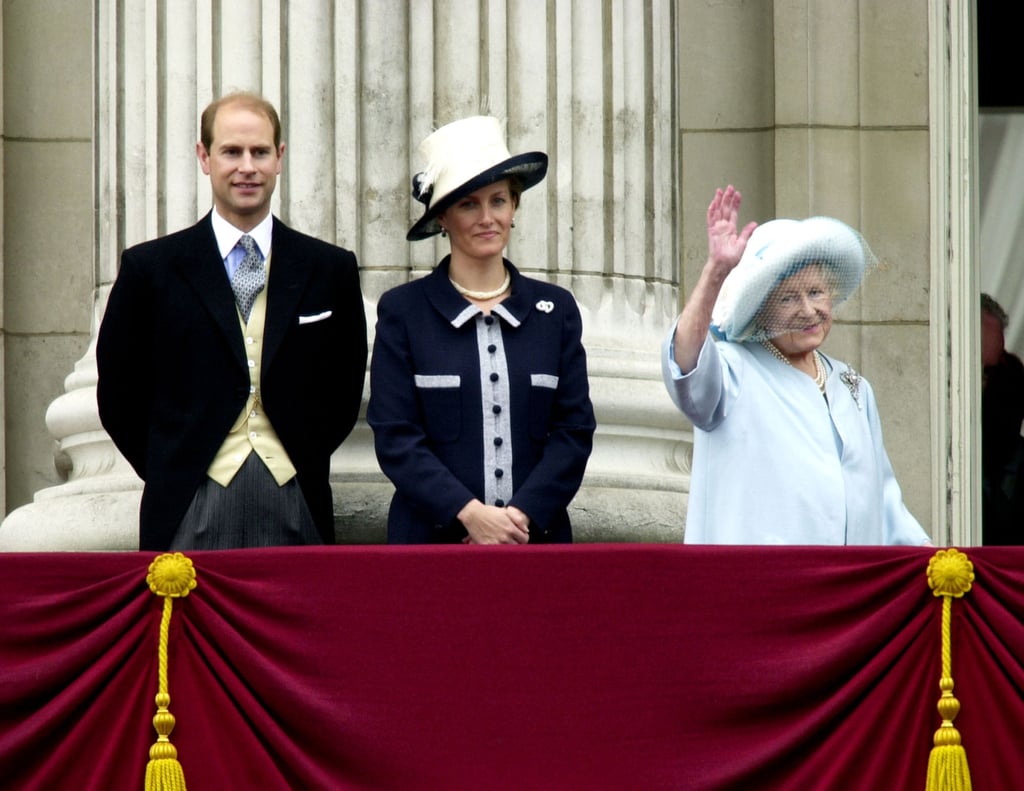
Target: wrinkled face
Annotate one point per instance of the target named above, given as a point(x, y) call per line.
point(243, 165)
point(479, 224)
point(798, 313)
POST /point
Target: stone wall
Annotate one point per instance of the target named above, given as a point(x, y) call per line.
point(48, 226)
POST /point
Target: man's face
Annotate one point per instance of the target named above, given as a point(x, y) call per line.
point(992, 340)
point(242, 164)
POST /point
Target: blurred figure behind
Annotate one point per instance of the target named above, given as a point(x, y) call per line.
point(1002, 447)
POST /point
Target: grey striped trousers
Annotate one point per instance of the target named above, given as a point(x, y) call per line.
point(252, 511)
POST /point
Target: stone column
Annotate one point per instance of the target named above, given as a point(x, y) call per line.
point(359, 83)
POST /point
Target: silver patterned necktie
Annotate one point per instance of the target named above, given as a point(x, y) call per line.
point(249, 277)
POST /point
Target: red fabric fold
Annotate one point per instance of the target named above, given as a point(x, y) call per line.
point(586, 666)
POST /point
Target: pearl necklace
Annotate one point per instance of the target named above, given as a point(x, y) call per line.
point(819, 369)
point(466, 292)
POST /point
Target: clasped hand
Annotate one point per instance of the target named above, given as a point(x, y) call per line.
point(491, 524)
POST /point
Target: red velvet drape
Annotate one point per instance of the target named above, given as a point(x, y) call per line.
point(575, 667)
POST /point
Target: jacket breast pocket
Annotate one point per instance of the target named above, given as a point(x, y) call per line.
point(441, 400)
point(542, 399)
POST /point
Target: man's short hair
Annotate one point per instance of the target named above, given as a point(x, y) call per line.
point(993, 308)
point(250, 101)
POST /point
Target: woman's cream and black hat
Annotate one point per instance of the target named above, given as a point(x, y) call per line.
point(461, 157)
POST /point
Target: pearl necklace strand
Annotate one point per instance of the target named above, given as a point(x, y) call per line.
point(819, 369)
point(466, 292)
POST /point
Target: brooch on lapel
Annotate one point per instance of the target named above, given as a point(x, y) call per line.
point(545, 306)
point(852, 381)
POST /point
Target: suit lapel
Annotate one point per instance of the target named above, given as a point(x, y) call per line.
point(203, 268)
point(290, 271)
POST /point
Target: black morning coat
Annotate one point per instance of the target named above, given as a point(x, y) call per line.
point(429, 441)
point(173, 375)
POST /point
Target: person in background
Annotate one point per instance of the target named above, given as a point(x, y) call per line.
point(479, 398)
point(1002, 447)
point(232, 357)
point(787, 440)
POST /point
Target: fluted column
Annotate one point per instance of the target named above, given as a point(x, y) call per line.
point(593, 85)
point(359, 83)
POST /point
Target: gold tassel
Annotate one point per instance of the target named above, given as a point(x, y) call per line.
point(172, 577)
point(950, 575)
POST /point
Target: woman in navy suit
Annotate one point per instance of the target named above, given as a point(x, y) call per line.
point(479, 399)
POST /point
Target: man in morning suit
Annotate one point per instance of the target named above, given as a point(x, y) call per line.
point(232, 356)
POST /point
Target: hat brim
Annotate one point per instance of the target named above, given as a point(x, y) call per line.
point(530, 168)
point(817, 240)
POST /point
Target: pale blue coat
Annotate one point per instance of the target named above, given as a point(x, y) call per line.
point(776, 463)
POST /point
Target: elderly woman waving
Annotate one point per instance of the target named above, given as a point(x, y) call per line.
point(787, 441)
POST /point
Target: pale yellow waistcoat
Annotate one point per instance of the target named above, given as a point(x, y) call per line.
point(252, 431)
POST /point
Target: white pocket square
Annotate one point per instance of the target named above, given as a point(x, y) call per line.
point(315, 317)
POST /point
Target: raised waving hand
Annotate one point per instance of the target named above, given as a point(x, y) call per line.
point(725, 249)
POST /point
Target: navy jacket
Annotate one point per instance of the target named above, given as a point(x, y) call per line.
point(173, 375)
point(430, 407)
